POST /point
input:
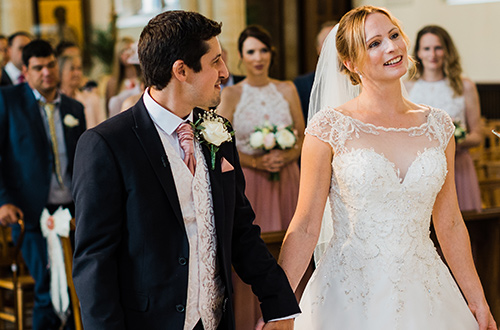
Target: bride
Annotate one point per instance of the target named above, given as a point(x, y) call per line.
point(386, 166)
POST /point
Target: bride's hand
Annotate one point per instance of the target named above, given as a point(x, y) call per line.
point(484, 317)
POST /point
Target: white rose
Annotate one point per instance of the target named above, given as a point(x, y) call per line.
point(285, 139)
point(256, 140)
point(269, 141)
point(71, 121)
point(215, 132)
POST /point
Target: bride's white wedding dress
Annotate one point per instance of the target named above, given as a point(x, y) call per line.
point(381, 270)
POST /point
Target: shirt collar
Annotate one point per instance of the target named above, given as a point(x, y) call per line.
point(41, 99)
point(162, 117)
point(12, 71)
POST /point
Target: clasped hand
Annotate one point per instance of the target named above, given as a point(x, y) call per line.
point(10, 214)
point(275, 325)
point(273, 161)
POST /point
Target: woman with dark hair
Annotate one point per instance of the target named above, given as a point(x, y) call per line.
point(439, 83)
point(272, 176)
point(251, 103)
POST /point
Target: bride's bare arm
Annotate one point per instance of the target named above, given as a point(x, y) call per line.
point(302, 234)
point(454, 241)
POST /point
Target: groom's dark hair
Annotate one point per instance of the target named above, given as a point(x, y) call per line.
point(171, 36)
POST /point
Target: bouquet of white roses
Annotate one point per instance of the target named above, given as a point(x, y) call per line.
point(269, 137)
point(460, 132)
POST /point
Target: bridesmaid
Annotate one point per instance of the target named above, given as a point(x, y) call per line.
point(249, 104)
point(439, 83)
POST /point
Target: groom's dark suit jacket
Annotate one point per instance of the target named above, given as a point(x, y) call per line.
point(131, 255)
point(26, 158)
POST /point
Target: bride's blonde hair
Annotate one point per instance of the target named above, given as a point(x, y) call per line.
point(350, 38)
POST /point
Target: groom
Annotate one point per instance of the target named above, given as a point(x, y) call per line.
point(159, 221)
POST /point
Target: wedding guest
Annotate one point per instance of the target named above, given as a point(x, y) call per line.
point(160, 221)
point(12, 71)
point(124, 75)
point(67, 48)
point(439, 83)
point(304, 83)
point(4, 57)
point(4, 46)
point(272, 177)
point(39, 130)
point(71, 73)
point(251, 103)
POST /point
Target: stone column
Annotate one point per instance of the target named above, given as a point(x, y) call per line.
point(232, 14)
point(15, 16)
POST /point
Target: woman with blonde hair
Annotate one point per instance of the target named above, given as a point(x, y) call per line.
point(439, 83)
point(71, 75)
point(124, 75)
point(386, 165)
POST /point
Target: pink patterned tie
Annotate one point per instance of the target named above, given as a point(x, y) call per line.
point(186, 137)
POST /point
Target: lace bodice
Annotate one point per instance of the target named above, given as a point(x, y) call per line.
point(439, 94)
point(383, 187)
point(258, 104)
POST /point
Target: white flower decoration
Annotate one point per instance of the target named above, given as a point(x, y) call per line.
point(269, 141)
point(215, 132)
point(257, 140)
point(285, 138)
point(212, 131)
point(71, 121)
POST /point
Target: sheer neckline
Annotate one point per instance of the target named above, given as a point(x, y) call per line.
point(389, 129)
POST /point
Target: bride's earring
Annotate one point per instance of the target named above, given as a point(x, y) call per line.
point(359, 74)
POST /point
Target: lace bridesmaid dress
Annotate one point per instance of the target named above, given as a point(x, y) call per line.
point(381, 270)
point(439, 94)
point(272, 201)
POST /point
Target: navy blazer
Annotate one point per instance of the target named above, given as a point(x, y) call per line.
point(304, 85)
point(26, 156)
point(131, 248)
point(5, 80)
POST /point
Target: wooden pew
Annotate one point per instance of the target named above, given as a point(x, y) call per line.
point(484, 231)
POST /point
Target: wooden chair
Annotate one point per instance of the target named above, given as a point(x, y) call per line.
point(68, 264)
point(18, 284)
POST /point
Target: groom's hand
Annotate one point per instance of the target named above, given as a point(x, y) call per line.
point(279, 325)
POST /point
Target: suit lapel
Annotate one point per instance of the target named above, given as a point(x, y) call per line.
point(215, 183)
point(146, 133)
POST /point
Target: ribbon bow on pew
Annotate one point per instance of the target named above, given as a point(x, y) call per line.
point(53, 226)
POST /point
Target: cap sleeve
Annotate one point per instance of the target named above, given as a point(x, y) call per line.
point(443, 126)
point(326, 125)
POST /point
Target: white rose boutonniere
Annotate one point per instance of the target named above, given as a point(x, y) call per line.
point(70, 121)
point(212, 131)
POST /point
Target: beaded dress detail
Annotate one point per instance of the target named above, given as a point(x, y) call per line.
point(258, 104)
point(381, 270)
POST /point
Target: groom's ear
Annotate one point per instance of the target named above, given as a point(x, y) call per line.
point(179, 70)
